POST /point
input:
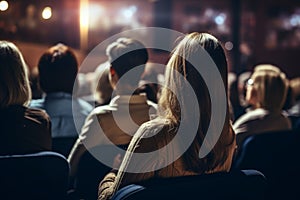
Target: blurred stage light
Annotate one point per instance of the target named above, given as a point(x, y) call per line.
point(47, 13)
point(84, 24)
point(3, 5)
point(220, 19)
point(129, 12)
point(295, 20)
point(228, 45)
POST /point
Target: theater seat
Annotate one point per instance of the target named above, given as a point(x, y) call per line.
point(235, 185)
point(276, 155)
point(63, 145)
point(42, 175)
point(91, 171)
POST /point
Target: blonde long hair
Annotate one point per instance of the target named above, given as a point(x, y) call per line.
point(192, 45)
point(14, 82)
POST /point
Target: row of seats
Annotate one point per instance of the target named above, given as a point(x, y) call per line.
point(42, 175)
point(274, 155)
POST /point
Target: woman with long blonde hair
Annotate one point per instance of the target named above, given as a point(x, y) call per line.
point(171, 144)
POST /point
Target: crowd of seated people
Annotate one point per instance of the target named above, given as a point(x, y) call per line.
point(29, 125)
point(170, 162)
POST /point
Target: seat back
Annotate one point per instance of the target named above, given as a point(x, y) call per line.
point(276, 155)
point(63, 145)
point(241, 185)
point(91, 171)
point(42, 175)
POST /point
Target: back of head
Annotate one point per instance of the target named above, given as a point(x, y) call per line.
point(271, 86)
point(58, 69)
point(14, 83)
point(193, 45)
point(124, 55)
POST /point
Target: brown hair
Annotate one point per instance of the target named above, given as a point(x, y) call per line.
point(58, 69)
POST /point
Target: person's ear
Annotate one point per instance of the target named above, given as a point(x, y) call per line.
point(252, 96)
point(112, 71)
point(113, 77)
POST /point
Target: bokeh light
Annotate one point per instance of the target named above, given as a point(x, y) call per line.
point(3, 5)
point(47, 13)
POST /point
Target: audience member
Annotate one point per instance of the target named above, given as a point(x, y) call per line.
point(36, 92)
point(159, 132)
point(242, 84)
point(266, 93)
point(102, 88)
point(94, 87)
point(124, 55)
point(57, 74)
point(237, 94)
point(23, 130)
point(234, 99)
point(294, 111)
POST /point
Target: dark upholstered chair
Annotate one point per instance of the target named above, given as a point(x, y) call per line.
point(63, 145)
point(41, 175)
point(241, 185)
point(276, 155)
point(91, 171)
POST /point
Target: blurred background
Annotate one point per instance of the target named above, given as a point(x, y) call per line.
point(253, 31)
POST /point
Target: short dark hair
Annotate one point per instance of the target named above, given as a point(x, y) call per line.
point(58, 69)
point(125, 54)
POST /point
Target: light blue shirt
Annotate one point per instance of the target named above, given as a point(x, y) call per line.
point(67, 116)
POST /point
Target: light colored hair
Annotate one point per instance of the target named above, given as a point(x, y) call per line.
point(14, 81)
point(101, 86)
point(295, 86)
point(271, 86)
point(191, 45)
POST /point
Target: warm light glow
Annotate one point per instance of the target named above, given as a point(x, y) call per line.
point(47, 13)
point(84, 13)
point(84, 23)
point(3, 5)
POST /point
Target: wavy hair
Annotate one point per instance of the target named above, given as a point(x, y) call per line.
point(193, 45)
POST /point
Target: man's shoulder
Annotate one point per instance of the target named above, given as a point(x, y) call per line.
point(102, 110)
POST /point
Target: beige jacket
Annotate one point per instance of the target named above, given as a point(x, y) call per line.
point(111, 124)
